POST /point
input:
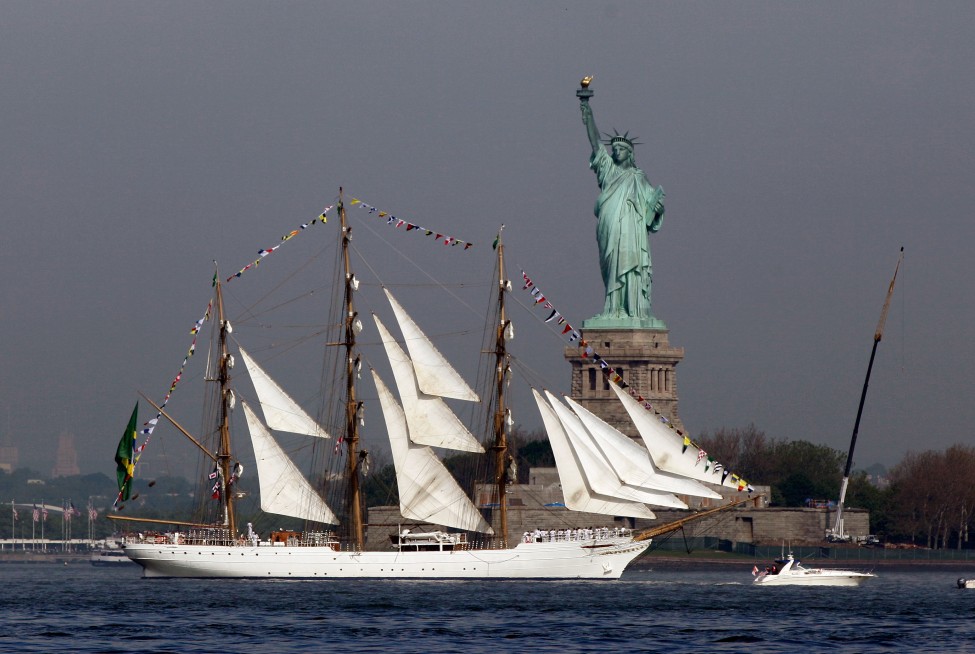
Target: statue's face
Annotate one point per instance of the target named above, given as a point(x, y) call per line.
point(621, 153)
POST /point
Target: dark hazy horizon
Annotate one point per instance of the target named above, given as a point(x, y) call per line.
point(800, 146)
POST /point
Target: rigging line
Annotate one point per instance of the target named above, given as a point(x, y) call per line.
point(530, 309)
point(249, 309)
point(402, 339)
point(250, 313)
point(322, 327)
point(422, 270)
point(439, 335)
point(332, 361)
point(530, 376)
point(280, 348)
point(416, 285)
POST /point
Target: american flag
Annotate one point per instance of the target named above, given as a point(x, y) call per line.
point(36, 514)
point(14, 509)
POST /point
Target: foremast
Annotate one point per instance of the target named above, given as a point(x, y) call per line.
point(502, 368)
point(352, 406)
point(224, 455)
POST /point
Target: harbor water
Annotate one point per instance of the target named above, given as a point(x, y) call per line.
point(80, 608)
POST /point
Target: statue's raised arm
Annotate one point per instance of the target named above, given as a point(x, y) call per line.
point(584, 93)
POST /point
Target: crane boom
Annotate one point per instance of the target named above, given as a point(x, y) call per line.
point(837, 532)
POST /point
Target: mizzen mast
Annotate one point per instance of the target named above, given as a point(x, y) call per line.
point(352, 407)
point(837, 533)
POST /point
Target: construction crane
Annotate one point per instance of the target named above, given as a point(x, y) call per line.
point(837, 533)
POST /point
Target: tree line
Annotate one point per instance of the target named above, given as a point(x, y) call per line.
point(926, 499)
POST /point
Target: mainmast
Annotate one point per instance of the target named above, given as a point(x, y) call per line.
point(224, 456)
point(502, 458)
point(351, 406)
point(836, 533)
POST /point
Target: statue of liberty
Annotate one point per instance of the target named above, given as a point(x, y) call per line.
point(627, 209)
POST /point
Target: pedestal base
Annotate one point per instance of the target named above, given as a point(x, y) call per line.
point(643, 357)
point(625, 322)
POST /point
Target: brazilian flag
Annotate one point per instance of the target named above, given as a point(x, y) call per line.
point(124, 454)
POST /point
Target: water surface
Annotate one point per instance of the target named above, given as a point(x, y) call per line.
point(78, 608)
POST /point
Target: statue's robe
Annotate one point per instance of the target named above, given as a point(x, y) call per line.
point(625, 213)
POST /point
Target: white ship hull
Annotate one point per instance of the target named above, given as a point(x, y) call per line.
point(587, 559)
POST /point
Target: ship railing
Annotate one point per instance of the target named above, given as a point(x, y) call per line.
point(204, 536)
point(570, 535)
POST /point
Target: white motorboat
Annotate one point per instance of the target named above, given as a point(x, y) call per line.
point(110, 557)
point(789, 572)
point(966, 583)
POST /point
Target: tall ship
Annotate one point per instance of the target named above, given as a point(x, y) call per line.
point(443, 532)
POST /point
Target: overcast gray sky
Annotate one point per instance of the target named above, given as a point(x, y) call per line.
point(800, 146)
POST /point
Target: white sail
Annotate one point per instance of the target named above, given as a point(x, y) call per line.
point(577, 494)
point(600, 475)
point(631, 462)
point(434, 374)
point(280, 411)
point(666, 447)
point(430, 420)
point(284, 490)
point(427, 491)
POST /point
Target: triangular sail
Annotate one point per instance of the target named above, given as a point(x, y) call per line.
point(434, 374)
point(430, 420)
point(284, 490)
point(280, 411)
point(577, 493)
point(601, 477)
point(631, 462)
point(666, 447)
point(427, 491)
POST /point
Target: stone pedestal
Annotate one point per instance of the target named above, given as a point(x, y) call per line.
point(644, 358)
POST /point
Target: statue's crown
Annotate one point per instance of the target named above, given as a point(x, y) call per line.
point(621, 139)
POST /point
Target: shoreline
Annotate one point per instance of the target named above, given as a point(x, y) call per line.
point(671, 561)
point(650, 561)
point(38, 558)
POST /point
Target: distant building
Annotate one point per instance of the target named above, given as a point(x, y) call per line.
point(67, 457)
point(9, 456)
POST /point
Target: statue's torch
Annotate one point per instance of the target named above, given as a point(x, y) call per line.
point(584, 92)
